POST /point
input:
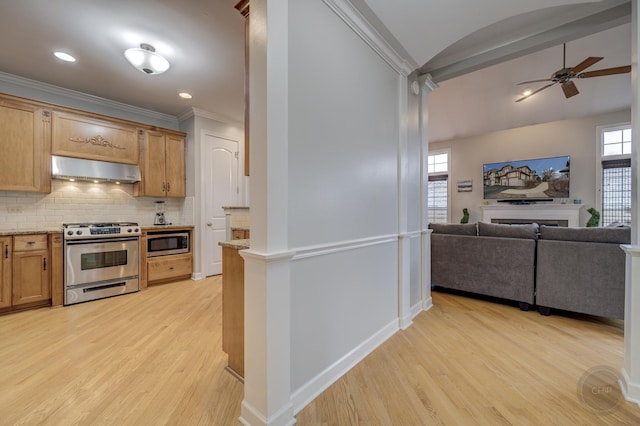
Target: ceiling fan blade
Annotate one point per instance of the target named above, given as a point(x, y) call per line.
point(586, 63)
point(569, 88)
point(606, 71)
point(533, 93)
point(533, 81)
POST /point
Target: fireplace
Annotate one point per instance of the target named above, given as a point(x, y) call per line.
point(548, 222)
point(543, 214)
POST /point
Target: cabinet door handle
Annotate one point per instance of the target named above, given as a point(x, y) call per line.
point(6, 251)
point(44, 263)
point(164, 186)
point(31, 242)
point(168, 186)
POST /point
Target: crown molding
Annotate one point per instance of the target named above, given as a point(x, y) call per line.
point(354, 19)
point(196, 112)
point(84, 97)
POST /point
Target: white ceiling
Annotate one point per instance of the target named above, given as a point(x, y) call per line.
point(484, 101)
point(204, 41)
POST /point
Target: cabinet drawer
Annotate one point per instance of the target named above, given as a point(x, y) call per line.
point(30, 242)
point(165, 267)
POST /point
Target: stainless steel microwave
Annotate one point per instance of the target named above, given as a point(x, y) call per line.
point(164, 243)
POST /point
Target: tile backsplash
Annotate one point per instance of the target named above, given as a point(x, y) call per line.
point(86, 202)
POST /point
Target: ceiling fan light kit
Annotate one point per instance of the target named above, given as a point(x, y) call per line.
point(146, 60)
point(565, 75)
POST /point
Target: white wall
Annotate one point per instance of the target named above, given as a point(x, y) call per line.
point(343, 191)
point(576, 137)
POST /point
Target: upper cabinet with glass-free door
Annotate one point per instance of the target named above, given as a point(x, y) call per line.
point(25, 145)
point(162, 165)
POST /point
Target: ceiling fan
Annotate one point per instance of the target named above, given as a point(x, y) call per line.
point(565, 75)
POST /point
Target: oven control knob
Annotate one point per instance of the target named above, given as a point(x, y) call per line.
point(129, 230)
point(136, 230)
point(69, 232)
point(78, 232)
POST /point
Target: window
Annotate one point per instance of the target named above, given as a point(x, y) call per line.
point(438, 188)
point(615, 166)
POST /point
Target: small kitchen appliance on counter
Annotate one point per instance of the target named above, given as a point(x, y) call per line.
point(160, 219)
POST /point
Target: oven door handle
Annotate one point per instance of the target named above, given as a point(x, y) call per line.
point(100, 240)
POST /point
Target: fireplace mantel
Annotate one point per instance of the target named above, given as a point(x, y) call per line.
point(533, 212)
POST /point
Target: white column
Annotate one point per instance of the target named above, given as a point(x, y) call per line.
point(267, 386)
point(404, 243)
point(426, 87)
point(630, 381)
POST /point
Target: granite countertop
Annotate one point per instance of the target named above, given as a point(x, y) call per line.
point(49, 230)
point(240, 228)
point(235, 244)
point(235, 207)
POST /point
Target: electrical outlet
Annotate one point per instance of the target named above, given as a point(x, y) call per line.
point(14, 209)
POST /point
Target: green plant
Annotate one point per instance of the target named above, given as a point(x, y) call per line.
point(594, 220)
point(465, 216)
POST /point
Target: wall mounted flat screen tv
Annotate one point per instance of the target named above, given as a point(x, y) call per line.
point(543, 179)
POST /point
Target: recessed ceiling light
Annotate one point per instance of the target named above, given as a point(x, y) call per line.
point(185, 95)
point(64, 56)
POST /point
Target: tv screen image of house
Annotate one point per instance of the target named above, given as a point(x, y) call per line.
point(537, 178)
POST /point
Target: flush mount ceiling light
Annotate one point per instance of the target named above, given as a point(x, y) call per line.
point(145, 59)
point(185, 95)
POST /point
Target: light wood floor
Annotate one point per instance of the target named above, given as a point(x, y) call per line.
point(155, 358)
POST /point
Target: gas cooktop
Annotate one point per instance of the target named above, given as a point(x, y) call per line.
point(100, 230)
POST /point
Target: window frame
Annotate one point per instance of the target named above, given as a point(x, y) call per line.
point(600, 130)
point(447, 174)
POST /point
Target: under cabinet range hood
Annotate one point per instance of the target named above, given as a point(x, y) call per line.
point(89, 170)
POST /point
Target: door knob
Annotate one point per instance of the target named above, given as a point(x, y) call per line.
point(209, 224)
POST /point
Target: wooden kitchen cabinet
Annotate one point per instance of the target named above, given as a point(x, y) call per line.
point(239, 234)
point(92, 138)
point(31, 269)
point(162, 165)
point(169, 268)
point(5, 272)
point(233, 309)
point(25, 144)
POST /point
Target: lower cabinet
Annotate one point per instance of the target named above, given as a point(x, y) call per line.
point(165, 268)
point(5, 272)
point(26, 270)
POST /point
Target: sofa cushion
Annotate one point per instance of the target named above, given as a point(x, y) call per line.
point(619, 235)
point(529, 230)
point(454, 228)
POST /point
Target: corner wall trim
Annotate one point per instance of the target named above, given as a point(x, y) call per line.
point(314, 387)
point(352, 17)
point(630, 391)
point(324, 249)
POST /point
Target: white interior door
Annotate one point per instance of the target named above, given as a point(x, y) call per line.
point(220, 176)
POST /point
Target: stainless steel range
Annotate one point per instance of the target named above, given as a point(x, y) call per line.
point(101, 260)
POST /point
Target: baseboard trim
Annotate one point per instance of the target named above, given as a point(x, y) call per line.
point(314, 387)
point(196, 276)
point(427, 304)
point(416, 309)
point(249, 416)
point(630, 391)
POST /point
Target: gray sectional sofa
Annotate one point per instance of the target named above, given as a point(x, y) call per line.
point(573, 269)
point(582, 270)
